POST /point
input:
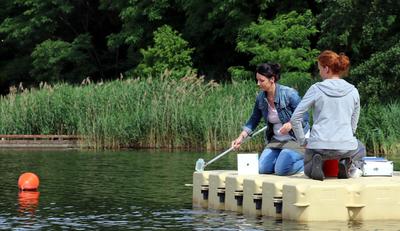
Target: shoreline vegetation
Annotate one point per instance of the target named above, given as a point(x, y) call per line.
point(164, 112)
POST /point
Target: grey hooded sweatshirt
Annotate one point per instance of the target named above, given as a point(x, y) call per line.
point(336, 105)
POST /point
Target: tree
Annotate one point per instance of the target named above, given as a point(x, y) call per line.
point(138, 20)
point(284, 40)
point(359, 28)
point(170, 52)
point(211, 27)
point(367, 31)
point(378, 78)
point(57, 60)
point(29, 28)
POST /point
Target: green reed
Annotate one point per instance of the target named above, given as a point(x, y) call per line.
point(160, 113)
point(379, 128)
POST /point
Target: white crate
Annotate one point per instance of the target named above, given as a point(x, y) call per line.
point(247, 164)
point(377, 167)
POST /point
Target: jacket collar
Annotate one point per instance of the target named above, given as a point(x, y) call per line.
point(277, 93)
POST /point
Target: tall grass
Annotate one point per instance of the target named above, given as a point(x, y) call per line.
point(161, 113)
point(379, 128)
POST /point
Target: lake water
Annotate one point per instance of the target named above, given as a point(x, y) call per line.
point(125, 190)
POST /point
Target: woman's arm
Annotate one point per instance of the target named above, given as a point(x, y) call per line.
point(251, 124)
point(294, 100)
point(254, 119)
point(356, 114)
point(297, 117)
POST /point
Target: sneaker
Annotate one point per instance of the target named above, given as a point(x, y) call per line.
point(316, 171)
point(355, 173)
point(344, 166)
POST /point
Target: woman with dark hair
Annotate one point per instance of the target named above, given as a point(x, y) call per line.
point(275, 103)
point(336, 105)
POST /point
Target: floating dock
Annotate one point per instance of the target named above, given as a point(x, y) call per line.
point(39, 141)
point(297, 197)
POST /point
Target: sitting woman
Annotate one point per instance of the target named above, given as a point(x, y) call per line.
point(336, 105)
point(276, 104)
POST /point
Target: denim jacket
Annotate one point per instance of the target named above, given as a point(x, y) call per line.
point(286, 101)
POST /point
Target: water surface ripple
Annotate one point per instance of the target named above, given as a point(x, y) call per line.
point(124, 190)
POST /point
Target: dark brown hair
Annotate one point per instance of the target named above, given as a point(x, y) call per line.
point(269, 69)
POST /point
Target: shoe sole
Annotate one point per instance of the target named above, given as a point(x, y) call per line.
point(316, 172)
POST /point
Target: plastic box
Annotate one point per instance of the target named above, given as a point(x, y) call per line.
point(375, 166)
point(247, 163)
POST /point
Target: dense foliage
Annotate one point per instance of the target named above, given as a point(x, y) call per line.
point(284, 40)
point(369, 32)
point(52, 41)
point(157, 43)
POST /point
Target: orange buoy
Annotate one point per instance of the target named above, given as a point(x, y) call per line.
point(28, 181)
point(331, 168)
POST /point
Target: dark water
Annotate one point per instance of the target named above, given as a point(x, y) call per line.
point(140, 190)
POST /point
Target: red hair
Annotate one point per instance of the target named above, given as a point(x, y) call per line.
point(338, 63)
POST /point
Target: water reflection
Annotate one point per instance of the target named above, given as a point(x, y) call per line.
point(28, 202)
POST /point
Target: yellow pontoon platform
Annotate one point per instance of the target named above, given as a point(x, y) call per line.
point(299, 198)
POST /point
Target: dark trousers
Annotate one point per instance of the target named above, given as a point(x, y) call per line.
point(330, 154)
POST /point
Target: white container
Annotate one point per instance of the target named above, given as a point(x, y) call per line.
point(247, 164)
point(377, 167)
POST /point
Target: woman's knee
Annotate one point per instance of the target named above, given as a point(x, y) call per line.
point(267, 161)
point(288, 162)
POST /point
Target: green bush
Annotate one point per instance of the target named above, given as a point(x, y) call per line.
point(170, 52)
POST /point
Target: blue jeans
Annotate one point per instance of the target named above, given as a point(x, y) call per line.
point(282, 162)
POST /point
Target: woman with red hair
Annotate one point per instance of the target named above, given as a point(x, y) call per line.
point(336, 105)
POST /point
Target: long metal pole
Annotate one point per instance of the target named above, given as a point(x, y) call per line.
point(231, 148)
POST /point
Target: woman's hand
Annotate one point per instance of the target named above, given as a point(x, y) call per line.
point(285, 128)
point(236, 143)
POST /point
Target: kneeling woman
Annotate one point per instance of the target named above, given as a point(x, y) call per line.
point(336, 105)
point(276, 104)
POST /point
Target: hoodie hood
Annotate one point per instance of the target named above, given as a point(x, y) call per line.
point(335, 87)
